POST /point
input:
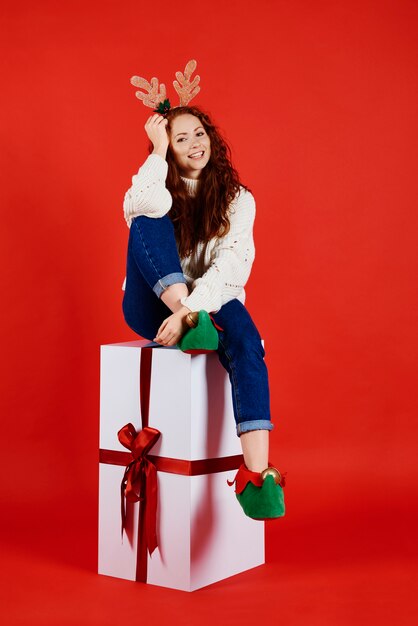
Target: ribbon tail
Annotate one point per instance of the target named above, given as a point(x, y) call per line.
point(122, 507)
point(151, 508)
point(127, 492)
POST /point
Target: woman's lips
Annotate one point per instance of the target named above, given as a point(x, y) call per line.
point(197, 155)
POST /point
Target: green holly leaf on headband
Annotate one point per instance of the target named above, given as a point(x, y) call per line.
point(163, 107)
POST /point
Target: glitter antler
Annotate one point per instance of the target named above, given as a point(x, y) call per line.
point(152, 98)
point(186, 89)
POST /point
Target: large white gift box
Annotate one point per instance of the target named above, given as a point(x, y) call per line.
point(203, 534)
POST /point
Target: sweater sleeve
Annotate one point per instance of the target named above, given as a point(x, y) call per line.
point(148, 194)
point(231, 260)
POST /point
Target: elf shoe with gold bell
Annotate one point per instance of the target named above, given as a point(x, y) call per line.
point(202, 335)
point(260, 494)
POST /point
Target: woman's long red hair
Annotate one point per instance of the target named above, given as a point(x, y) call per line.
point(205, 216)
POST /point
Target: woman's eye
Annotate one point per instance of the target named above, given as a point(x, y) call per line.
point(201, 132)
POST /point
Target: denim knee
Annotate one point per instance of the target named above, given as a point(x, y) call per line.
point(158, 262)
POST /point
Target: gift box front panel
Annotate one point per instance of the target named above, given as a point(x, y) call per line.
point(202, 533)
point(190, 401)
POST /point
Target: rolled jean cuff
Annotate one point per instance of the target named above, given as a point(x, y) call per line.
point(245, 427)
point(166, 281)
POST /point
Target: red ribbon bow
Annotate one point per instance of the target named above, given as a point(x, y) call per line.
point(139, 482)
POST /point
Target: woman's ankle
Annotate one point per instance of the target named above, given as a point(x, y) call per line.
point(255, 448)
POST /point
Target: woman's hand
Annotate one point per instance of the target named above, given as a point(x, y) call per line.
point(172, 329)
point(155, 128)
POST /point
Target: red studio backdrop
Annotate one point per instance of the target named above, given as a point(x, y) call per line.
point(318, 101)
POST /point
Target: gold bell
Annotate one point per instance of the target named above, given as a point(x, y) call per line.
point(272, 471)
point(192, 319)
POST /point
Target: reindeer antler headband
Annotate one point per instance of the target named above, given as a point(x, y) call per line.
point(157, 97)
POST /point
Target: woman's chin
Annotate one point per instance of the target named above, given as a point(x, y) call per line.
point(194, 172)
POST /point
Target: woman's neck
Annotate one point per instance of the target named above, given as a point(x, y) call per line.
point(192, 185)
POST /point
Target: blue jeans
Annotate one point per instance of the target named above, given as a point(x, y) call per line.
point(152, 265)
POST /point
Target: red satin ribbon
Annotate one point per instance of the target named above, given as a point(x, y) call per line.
point(166, 464)
point(139, 482)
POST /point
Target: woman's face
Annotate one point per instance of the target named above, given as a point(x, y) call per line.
point(190, 145)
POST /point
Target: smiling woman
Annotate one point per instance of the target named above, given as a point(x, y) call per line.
point(203, 188)
point(190, 145)
point(191, 250)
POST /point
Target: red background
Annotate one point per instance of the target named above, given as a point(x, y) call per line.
point(319, 102)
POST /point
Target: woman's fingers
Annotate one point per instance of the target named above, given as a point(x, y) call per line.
point(165, 333)
point(160, 330)
point(155, 119)
point(163, 325)
point(164, 336)
point(170, 340)
point(168, 337)
point(170, 331)
point(156, 129)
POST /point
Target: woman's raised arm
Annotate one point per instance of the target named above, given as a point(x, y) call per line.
point(148, 194)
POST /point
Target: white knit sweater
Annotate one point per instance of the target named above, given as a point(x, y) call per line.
point(218, 270)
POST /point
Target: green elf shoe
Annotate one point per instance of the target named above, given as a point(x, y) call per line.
point(260, 494)
point(201, 338)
